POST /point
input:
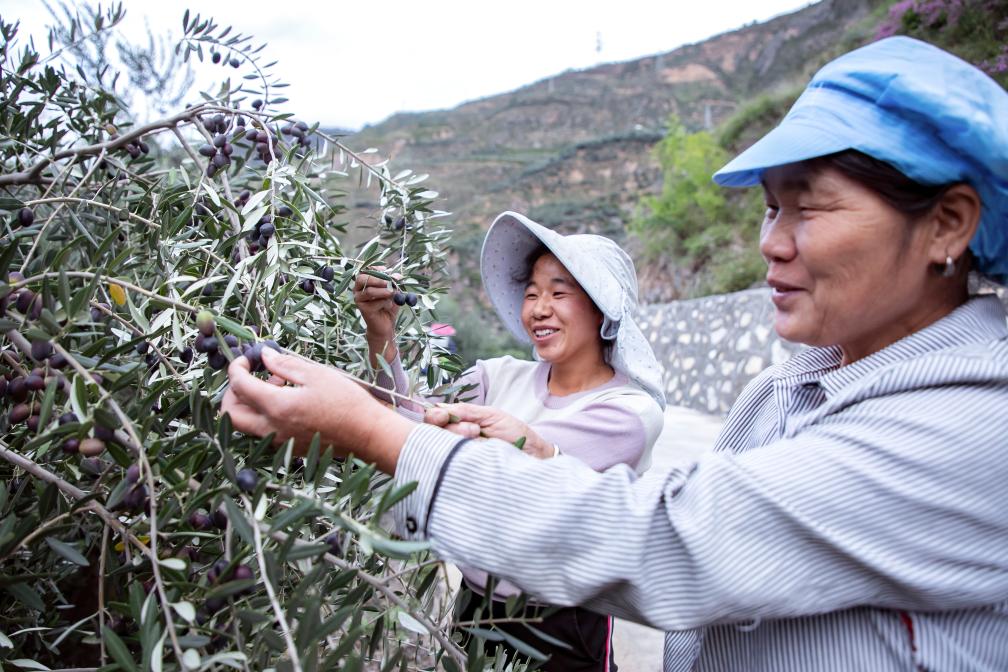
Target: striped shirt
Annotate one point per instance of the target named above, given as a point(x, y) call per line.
point(849, 518)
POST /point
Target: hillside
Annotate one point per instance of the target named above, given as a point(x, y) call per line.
point(574, 151)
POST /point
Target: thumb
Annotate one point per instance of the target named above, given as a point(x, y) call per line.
point(289, 367)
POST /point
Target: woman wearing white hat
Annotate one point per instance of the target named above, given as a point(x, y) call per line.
point(593, 394)
point(852, 514)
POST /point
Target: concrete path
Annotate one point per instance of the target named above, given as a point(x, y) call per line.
point(686, 433)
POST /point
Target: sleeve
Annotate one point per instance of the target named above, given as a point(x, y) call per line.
point(908, 517)
point(601, 435)
point(398, 382)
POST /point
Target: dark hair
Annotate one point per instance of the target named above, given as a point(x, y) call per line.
point(908, 196)
point(524, 274)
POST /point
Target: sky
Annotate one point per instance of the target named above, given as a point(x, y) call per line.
point(356, 62)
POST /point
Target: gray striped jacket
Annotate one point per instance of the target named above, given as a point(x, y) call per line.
point(849, 518)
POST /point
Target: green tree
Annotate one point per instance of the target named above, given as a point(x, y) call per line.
point(694, 224)
point(137, 530)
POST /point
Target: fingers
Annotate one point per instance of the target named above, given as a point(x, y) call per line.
point(289, 367)
point(471, 413)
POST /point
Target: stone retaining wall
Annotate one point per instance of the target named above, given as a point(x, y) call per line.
point(709, 348)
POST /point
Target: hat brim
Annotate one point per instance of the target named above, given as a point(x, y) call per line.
point(795, 139)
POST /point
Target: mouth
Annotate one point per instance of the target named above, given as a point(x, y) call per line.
point(782, 287)
point(543, 333)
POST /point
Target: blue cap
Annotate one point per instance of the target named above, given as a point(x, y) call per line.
point(931, 115)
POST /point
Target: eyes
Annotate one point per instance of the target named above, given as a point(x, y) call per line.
point(559, 294)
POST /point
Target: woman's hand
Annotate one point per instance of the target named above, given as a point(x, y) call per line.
point(303, 398)
point(473, 421)
point(373, 297)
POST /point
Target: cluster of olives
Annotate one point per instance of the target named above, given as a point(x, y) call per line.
point(401, 298)
point(216, 57)
point(327, 274)
point(27, 302)
point(135, 148)
point(397, 223)
point(221, 150)
point(207, 343)
point(298, 130)
point(265, 227)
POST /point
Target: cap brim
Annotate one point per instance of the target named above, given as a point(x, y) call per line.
point(795, 139)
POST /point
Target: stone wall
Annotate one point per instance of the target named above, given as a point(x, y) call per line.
point(709, 348)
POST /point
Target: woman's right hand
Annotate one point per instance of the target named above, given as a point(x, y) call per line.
point(373, 297)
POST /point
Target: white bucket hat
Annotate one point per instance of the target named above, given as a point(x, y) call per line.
point(603, 270)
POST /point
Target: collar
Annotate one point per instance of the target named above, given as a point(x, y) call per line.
point(980, 320)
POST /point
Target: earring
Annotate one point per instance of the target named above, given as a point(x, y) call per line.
point(949, 269)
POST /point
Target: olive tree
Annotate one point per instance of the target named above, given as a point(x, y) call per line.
point(140, 256)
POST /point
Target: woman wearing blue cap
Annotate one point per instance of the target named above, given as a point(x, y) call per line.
point(852, 513)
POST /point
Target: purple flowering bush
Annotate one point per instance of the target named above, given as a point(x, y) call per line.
point(975, 30)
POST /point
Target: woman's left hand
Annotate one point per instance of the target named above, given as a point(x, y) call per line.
point(473, 421)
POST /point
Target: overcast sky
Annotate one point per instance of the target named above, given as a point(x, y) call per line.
point(351, 63)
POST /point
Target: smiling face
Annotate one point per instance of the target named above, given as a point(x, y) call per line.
point(559, 317)
point(846, 268)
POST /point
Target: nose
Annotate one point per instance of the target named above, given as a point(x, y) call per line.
point(542, 306)
point(777, 243)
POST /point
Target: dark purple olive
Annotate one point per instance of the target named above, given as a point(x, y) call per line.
point(133, 473)
point(67, 418)
point(104, 433)
point(284, 211)
point(247, 479)
point(26, 298)
point(231, 340)
point(19, 413)
point(308, 285)
point(227, 149)
point(142, 347)
point(33, 423)
point(41, 350)
point(216, 360)
point(186, 355)
point(144, 147)
point(245, 195)
point(234, 62)
point(35, 383)
point(335, 546)
point(208, 290)
point(58, 361)
point(215, 57)
point(219, 140)
point(388, 220)
point(400, 224)
point(242, 573)
point(219, 519)
point(219, 161)
point(136, 499)
point(71, 446)
point(327, 273)
point(267, 230)
point(301, 126)
point(256, 104)
point(200, 521)
point(26, 217)
point(399, 298)
point(411, 299)
point(18, 388)
point(207, 344)
point(207, 151)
